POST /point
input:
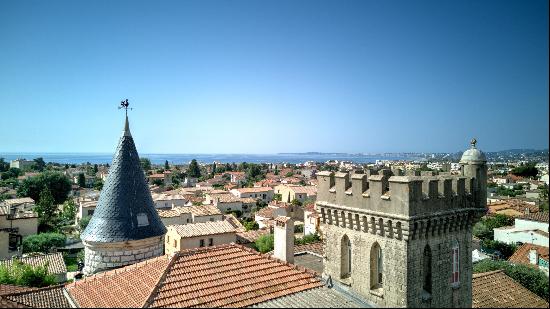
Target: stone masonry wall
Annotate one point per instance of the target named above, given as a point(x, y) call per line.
point(444, 294)
point(394, 265)
point(110, 256)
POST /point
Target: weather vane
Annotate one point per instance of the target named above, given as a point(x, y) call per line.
point(124, 104)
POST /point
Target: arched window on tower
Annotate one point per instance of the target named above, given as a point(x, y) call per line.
point(376, 266)
point(346, 257)
point(427, 269)
point(455, 263)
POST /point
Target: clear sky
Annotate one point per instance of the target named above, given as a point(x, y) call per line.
point(273, 76)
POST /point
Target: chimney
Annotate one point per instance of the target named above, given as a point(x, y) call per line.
point(284, 239)
point(533, 257)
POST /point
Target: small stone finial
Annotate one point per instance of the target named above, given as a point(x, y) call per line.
point(473, 142)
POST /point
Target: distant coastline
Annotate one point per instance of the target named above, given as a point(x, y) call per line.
point(283, 157)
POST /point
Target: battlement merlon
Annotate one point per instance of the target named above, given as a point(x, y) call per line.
point(405, 195)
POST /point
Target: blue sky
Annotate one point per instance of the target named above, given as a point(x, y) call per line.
point(278, 76)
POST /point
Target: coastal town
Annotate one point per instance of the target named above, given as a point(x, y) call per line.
point(60, 224)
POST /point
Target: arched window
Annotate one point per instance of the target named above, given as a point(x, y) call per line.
point(376, 266)
point(455, 262)
point(346, 257)
point(427, 269)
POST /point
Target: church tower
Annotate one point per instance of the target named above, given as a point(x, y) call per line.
point(125, 227)
point(403, 241)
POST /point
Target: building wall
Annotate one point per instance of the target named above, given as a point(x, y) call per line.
point(5, 252)
point(26, 226)
point(209, 218)
point(512, 236)
point(181, 219)
point(194, 242)
point(530, 225)
point(224, 207)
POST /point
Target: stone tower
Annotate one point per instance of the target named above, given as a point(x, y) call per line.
point(403, 241)
point(125, 227)
point(474, 164)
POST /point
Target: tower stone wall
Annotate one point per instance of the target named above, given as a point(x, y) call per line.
point(105, 256)
point(413, 223)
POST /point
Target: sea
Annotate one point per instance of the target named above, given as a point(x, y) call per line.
point(102, 158)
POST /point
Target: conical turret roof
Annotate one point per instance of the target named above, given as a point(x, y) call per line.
point(125, 210)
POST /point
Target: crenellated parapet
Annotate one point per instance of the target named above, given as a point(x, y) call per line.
point(399, 195)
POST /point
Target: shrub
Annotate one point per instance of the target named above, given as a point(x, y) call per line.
point(531, 278)
point(43, 242)
point(251, 225)
point(506, 249)
point(26, 275)
point(265, 243)
point(307, 239)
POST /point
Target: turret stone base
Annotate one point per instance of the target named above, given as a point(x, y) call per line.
point(105, 256)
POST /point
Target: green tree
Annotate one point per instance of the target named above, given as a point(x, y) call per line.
point(82, 180)
point(145, 164)
point(12, 172)
point(83, 223)
point(98, 184)
point(506, 249)
point(68, 213)
point(251, 225)
point(4, 166)
point(26, 275)
point(481, 231)
point(276, 172)
point(531, 278)
point(58, 184)
point(96, 169)
point(295, 202)
point(265, 243)
point(194, 170)
point(38, 164)
point(277, 197)
point(166, 165)
point(526, 170)
point(47, 211)
point(43, 242)
point(289, 174)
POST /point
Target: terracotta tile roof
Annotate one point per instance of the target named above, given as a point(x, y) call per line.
point(48, 297)
point(219, 276)
point(309, 190)
point(203, 229)
point(496, 290)
point(521, 255)
point(228, 276)
point(250, 236)
point(197, 211)
point(6, 303)
point(235, 223)
point(130, 286)
point(539, 217)
point(56, 264)
point(254, 190)
point(314, 247)
point(511, 207)
point(18, 201)
point(266, 212)
point(9, 289)
point(282, 219)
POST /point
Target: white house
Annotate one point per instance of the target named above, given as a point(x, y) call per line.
point(532, 229)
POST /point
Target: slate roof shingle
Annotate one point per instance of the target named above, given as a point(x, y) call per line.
point(125, 210)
